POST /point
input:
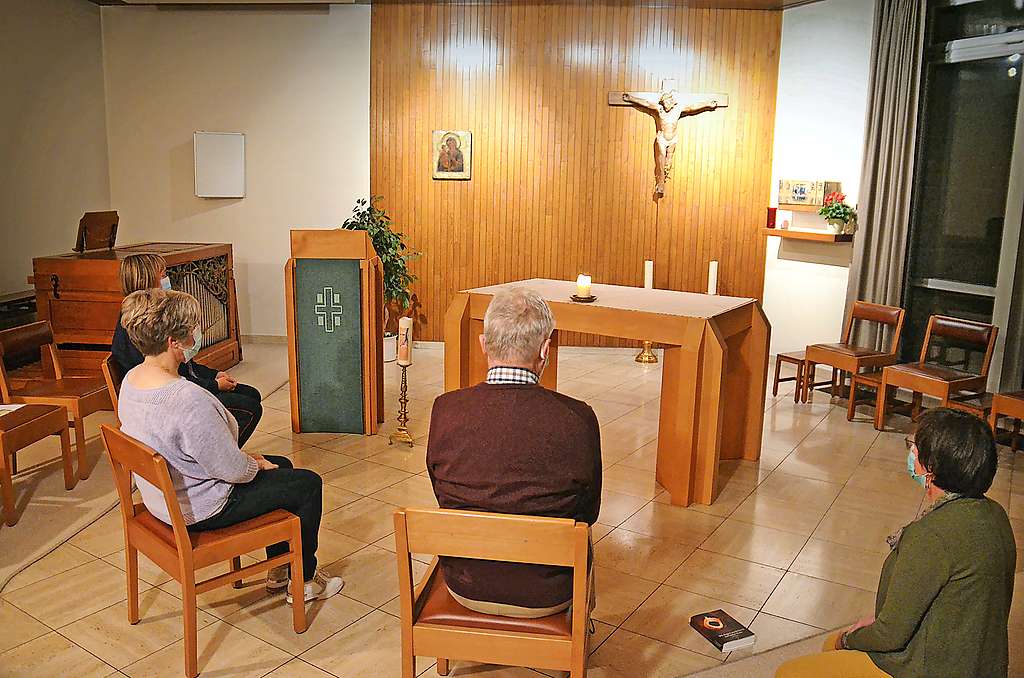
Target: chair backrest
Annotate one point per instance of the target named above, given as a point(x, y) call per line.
point(112, 375)
point(969, 335)
point(28, 339)
point(887, 316)
point(127, 456)
point(493, 536)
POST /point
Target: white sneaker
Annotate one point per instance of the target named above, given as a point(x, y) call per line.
point(277, 578)
point(322, 587)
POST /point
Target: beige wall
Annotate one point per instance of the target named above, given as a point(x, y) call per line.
point(53, 136)
point(295, 81)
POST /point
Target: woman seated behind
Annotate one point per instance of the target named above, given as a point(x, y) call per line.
point(217, 484)
point(944, 594)
point(149, 271)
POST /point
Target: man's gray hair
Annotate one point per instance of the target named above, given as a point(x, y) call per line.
point(516, 325)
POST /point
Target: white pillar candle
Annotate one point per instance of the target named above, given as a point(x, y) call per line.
point(649, 275)
point(405, 341)
point(713, 277)
point(582, 286)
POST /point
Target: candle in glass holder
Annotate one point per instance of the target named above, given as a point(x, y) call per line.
point(649, 275)
point(582, 286)
point(405, 341)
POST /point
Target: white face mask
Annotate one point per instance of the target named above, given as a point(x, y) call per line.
point(192, 351)
point(165, 283)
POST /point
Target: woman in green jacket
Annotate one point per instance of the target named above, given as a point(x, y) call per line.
point(944, 594)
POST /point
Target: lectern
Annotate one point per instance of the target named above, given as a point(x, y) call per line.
point(334, 294)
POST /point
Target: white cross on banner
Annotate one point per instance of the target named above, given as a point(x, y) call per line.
point(328, 309)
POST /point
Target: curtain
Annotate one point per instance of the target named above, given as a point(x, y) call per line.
point(887, 173)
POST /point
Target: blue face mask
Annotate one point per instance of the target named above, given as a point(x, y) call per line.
point(193, 350)
point(165, 283)
point(918, 478)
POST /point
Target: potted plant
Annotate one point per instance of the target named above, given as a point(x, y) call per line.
point(841, 217)
point(394, 254)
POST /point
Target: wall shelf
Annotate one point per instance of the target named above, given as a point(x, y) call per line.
point(800, 208)
point(813, 236)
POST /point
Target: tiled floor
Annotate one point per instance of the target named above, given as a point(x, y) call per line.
point(792, 546)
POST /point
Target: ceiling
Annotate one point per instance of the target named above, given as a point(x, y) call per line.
point(722, 4)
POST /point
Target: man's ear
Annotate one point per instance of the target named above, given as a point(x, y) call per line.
point(483, 344)
point(545, 349)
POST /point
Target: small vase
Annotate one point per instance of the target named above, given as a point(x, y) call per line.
point(390, 347)
point(835, 225)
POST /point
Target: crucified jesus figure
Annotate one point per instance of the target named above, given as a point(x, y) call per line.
point(668, 110)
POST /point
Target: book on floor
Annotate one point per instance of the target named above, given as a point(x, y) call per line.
point(722, 631)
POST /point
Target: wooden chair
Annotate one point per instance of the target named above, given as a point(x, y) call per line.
point(851, 358)
point(81, 396)
point(796, 358)
point(112, 375)
point(180, 553)
point(1008, 405)
point(435, 625)
point(939, 381)
point(19, 429)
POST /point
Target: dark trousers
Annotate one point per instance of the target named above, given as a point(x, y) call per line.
point(297, 490)
point(244, 404)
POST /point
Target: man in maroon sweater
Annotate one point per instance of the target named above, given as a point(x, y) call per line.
point(510, 445)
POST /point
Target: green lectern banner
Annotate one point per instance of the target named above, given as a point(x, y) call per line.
point(328, 322)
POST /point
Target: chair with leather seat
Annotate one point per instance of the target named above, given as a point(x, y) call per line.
point(113, 377)
point(434, 624)
point(925, 377)
point(847, 357)
point(81, 396)
point(180, 553)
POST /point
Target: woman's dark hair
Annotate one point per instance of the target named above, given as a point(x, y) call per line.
point(958, 448)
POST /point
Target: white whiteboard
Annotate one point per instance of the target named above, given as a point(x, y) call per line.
point(219, 164)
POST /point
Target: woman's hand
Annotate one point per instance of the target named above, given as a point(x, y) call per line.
point(861, 623)
point(262, 462)
point(225, 382)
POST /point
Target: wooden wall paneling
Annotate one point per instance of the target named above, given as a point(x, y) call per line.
point(561, 181)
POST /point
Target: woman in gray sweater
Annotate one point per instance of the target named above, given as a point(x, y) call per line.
point(217, 485)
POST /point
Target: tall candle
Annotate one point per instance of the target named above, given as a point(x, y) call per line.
point(649, 274)
point(582, 286)
point(713, 277)
point(405, 341)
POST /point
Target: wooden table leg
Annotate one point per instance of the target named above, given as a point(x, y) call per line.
point(713, 394)
point(678, 420)
point(7, 487)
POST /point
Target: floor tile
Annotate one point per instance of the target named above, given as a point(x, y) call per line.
point(616, 507)
point(773, 632)
point(618, 595)
point(371, 646)
point(403, 457)
point(297, 668)
point(645, 458)
point(840, 564)
point(764, 545)
point(223, 651)
point(52, 655)
point(629, 655)
point(364, 477)
point(74, 594)
point(371, 575)
point(788, 516)
point(103, 537)
point(333, 546)
point(18, 626)
point(321, 461)
point(365, 519)
point(808, 491)
point(416, 491)
point(641, 556)
point(733, 580)
point(665, 616)
point(672, 522)
point(631, 481)
point(335, 498)
point(61, 559)
point(818, 603)
point(270, 620)
point(108, 635)
point(867, 532)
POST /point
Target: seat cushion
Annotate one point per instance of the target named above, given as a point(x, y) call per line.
point(849, 349)
point(69, 387)
point(440, 608)
point(929, 371)
point(791, 356)
point(209, 538)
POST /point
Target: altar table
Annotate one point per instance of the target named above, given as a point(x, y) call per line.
point(713, 380)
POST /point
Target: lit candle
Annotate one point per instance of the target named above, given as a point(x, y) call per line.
point(405, 341)
point(713, 277)
point(582, 286)
point(649, 274)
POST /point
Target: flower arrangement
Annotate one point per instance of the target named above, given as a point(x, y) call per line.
point(836, 211)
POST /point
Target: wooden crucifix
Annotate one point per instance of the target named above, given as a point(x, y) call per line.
point(667, 107)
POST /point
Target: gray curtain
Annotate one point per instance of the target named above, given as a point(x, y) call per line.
point(880, 246)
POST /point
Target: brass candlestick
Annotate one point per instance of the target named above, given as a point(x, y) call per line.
point(402, 434)
point(646, 355)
